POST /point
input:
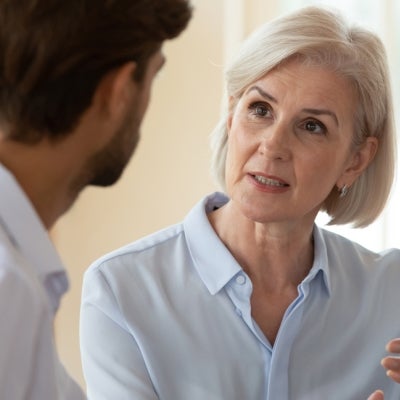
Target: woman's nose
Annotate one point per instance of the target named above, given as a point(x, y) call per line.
point(274, 143)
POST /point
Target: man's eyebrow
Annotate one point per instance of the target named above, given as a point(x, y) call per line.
point(262, 92)
point(319, 111)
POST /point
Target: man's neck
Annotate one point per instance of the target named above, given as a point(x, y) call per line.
point(44, 174)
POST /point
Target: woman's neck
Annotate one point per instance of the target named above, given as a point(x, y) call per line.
point(277, 255)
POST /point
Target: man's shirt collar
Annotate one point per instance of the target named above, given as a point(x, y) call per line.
point(26, 231)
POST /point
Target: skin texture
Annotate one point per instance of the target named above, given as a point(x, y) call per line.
point(310, 152)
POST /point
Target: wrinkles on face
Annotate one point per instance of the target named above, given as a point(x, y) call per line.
point(294, 125)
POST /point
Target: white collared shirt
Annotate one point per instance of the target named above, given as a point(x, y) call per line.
point(168, 317)
point(32, 281)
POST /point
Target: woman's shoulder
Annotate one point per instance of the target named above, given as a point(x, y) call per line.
point(145, 249)
point(350, 251)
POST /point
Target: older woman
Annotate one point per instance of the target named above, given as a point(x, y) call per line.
point(247, 298)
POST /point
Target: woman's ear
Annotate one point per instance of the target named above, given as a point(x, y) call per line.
point(359, 161)
point(115, 90)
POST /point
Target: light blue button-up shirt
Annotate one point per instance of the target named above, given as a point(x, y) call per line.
point(168, 317)
point(32, 282)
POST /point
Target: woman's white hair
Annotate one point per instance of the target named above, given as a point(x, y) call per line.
point(322, 37)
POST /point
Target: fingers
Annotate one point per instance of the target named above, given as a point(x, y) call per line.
point(392, 363)
point(393, 375)
point(377, 395)
point(393, 346)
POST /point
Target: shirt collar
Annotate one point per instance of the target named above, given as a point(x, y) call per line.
point(213, 261)
point(320, 264)
point(27, 232)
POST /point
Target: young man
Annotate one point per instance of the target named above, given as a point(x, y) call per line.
point(75, 81)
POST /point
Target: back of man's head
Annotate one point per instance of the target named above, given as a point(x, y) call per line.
point(53, 54)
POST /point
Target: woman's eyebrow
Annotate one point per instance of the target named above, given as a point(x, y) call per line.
point(320, 111)
point(262, 92)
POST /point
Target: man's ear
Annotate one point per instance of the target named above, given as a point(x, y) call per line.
point(359, 161)
point(115, 90)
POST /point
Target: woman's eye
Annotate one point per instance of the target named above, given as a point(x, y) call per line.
point(260, 109)
point(314, 127)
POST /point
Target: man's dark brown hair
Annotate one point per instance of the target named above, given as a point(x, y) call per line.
point(53, 53)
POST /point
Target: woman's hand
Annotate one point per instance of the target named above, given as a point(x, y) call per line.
point(392, 363)
point(377, 395)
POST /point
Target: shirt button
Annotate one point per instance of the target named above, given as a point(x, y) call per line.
point(240, 280)
point(238, 312)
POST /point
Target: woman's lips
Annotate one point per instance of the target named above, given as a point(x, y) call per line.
point(269, 181)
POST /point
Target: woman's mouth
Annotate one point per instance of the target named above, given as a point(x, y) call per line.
point(269, 181)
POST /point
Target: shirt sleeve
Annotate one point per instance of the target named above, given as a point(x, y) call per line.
point(29, 366)
point(113, 365)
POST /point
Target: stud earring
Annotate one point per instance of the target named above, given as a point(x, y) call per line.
point(343, 191)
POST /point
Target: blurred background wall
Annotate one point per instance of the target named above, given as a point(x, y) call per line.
point(169, 172)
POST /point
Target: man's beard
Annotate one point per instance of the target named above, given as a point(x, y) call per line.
point(106, 166)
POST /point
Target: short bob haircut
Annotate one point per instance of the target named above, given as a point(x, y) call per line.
point(321, 37)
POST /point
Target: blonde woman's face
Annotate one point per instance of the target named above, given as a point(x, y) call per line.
point(289, 143)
